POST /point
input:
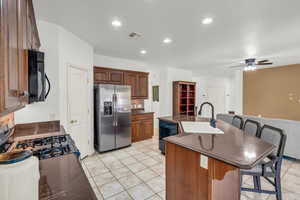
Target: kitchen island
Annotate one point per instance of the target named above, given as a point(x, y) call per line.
point(207, 166)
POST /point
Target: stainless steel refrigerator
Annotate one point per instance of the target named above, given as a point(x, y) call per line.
point(112, 116)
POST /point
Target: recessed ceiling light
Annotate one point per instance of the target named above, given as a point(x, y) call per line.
point(143, 51)
point(116, 23)
point(167, 40)
point(207, 20)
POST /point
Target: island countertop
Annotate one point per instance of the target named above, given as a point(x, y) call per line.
point(233, 147)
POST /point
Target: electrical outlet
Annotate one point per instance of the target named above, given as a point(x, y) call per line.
point(204, 161)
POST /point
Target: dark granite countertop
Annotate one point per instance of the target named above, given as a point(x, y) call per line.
point(140, 112)
point(233, 147)
point(179, 118)
point(62, 178)
point(38, 129)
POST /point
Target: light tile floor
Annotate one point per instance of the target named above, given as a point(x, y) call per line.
point(138, 173)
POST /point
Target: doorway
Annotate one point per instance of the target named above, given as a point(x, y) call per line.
point(78, 109)
point(215, 95)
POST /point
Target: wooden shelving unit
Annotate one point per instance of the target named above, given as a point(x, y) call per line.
point(184, 98)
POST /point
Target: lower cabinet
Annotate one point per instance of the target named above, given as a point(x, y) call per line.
point(135, 130)
point(142, 127)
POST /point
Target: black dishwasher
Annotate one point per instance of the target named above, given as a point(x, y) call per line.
point(166, 129)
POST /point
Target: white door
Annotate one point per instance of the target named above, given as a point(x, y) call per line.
point(78, 114)
point(216, 95)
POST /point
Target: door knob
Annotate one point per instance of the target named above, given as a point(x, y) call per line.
point(73, 121)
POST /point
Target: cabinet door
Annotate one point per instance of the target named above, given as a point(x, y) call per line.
point(3, 53)
point(116, 77)
point(135, 131)
point(131, 79)
point(15, 34)
point(12, 66)
point(147, 126)
point(33, 41)
point(142, 86)
point(22, 43)
point(101, 76)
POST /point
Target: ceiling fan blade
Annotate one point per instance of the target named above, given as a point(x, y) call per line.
point(265, 63)
point(237, 66)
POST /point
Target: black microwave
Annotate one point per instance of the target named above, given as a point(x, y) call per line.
point(38, 82)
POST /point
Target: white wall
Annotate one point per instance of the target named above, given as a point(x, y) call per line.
point(231, 85)
point(207, 86)
point(236, 92)
point(49, 109)
point(61, 48)
point(120, 63)
point(167, 76)
point(76, 52)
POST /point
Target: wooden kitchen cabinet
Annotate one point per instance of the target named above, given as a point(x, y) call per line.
point(137, 80)
point(15, 16)
point(131, 79)
point(135, 130)
point(101, 76)
point(139, 84)
point(142, 86)
point(147, 127)
point(108, 76)
point(33, 40)
point(142, 127)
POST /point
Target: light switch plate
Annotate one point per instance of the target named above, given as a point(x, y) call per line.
point(204, 161)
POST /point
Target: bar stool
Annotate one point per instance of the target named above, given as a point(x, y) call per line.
point(252, 127)
point(270, 168)
point(238, 122)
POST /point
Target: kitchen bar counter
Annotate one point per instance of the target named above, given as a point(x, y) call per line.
point(207, 166)
point(233, 147)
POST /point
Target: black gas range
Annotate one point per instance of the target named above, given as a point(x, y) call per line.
point(49, 147)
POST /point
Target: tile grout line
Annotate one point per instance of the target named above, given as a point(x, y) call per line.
point(134, 173)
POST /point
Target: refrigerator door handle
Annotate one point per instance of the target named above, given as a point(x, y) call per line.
point(116, 110)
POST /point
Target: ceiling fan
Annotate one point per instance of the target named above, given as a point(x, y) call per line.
point(250, 64)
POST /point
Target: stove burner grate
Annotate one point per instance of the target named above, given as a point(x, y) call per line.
point(50, 147)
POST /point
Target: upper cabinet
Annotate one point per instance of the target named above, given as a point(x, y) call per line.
point(137, 80)
point(33, 40)
point(131, 79)
point(18, 31)
point(142, 88)
point(139, 84)
point(104, 75)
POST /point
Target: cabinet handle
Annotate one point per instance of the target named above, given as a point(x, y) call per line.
point(14, 93)
point(24, 94)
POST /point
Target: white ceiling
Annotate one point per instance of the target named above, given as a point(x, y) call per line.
point(241, 29)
